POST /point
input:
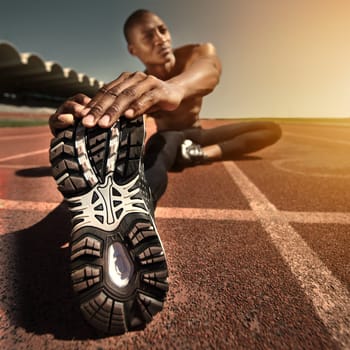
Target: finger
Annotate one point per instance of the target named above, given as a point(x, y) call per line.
point(119, 106)
point(60, 121)
point(147, 102)
point(66, 113)
point(115, 88)
point(103, 90)
point(127, 78)
point(71, 107)
point(96, 112)
point(129, 96)
point(81, 99)
point(114, 101)
point(65, 120)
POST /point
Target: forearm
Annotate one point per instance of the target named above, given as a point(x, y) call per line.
point(133, 94)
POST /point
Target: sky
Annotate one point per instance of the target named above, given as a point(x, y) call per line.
point(281, 58)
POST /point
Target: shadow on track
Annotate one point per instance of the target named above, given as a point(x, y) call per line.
point(248, 157)
point(39, 295)
point(35, 172)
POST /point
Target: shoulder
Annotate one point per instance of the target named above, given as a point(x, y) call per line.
point(188, 54)
point(196, 50)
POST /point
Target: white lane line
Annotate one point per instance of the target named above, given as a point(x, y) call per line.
point(8, 204)
point(330, 298)
point(22, 155)
point(26, 136)
point(202, 213)
point(161, 212)
point(316, 138)
point(317, 217)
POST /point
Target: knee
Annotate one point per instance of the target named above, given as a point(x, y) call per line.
point(155, 143)
point(275, 129)
point(173, 136)
point(278, 131)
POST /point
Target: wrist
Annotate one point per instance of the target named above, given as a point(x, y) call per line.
point(179, 88)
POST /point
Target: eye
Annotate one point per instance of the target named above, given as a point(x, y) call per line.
point(148, 35)
point(163, 29)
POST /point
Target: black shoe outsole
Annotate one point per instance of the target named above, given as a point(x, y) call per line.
point(100, 173)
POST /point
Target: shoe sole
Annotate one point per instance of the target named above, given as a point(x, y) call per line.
point(118, 265)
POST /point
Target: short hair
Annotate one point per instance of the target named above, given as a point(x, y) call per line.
point(133, 19)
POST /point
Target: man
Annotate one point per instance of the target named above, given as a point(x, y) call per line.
point(118, 264)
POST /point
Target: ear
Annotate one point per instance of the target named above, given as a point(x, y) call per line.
point(131, 49)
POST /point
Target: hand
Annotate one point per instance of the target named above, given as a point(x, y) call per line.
point(131, 95)
point(68, 112)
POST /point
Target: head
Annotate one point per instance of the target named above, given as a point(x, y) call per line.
point(148, 38)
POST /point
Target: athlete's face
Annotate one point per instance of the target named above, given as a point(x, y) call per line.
point(150, 41)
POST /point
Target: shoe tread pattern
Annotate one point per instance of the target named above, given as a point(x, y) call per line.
point(106, 308)
point(64, 164)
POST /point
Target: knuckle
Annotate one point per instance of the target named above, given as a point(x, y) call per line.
point(114, 92)
point(79, 97)
point(125, 75)
point(141, 74)
point(91, 104)
point(67, 103)
point(111, 93)
point(98, 109)
point(75, 97)
point(103, 89)
point(114, 109)
point(138, 74)
point(152, 79)
point(138, 105)
point(129, 92)
point(67, 106)
point(150, 95)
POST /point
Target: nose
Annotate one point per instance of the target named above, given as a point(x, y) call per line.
point(160, 37)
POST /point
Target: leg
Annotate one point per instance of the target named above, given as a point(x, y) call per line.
point(160, 154)
point(234, 140)
point(251, 141)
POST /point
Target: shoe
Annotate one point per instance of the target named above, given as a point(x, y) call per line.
point(191, 154)
point(118, 265)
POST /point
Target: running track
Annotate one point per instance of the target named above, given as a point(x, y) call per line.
point(258, 250)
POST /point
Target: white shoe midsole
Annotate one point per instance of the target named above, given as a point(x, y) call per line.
point(111, 209)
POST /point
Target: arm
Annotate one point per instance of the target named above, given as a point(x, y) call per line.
point(201, 74)
point(133, 94)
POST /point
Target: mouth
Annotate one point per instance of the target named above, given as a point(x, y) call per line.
point(164, 50)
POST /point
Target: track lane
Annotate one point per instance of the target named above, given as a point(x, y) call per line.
point(230, 287)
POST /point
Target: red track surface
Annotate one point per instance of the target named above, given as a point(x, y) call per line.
point(258, 250)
